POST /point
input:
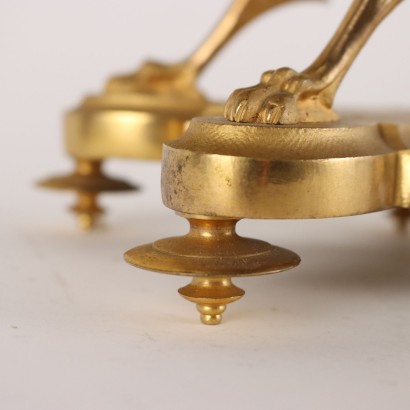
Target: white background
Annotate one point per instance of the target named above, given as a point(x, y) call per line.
point(79, 329)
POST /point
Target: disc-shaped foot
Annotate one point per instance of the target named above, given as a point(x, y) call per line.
point(212, 252)
point(88, 180)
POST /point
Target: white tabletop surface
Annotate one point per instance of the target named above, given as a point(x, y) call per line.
point(81, 329)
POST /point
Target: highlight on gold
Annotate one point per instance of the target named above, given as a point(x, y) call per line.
point(138, 112)
point(280, 153)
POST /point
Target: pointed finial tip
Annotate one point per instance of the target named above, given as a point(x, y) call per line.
point(211, 314)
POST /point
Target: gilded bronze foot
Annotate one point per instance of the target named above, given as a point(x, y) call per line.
point(88, 181)
point(212, 253)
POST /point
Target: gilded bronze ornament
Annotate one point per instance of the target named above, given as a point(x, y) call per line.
point(280, 153)
point(139, 112)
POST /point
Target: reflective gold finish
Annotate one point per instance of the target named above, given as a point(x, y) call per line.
point(211, 296)
point(286, 97)
point(402, 215)
point(88, 181)
point(236, 170)
point(137, 113)
point(219, 172)
point(280, 154)
point(212, 252)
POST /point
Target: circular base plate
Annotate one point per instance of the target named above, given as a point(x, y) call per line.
point(87, 183)
point(200, 257)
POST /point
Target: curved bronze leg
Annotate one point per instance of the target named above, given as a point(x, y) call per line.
point(181, 77)
point(286, 97)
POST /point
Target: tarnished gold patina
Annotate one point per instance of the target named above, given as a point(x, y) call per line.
point(138, 112)
point(212, 252)
point(219, 170)
point(280, 154)
point(316, 170)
